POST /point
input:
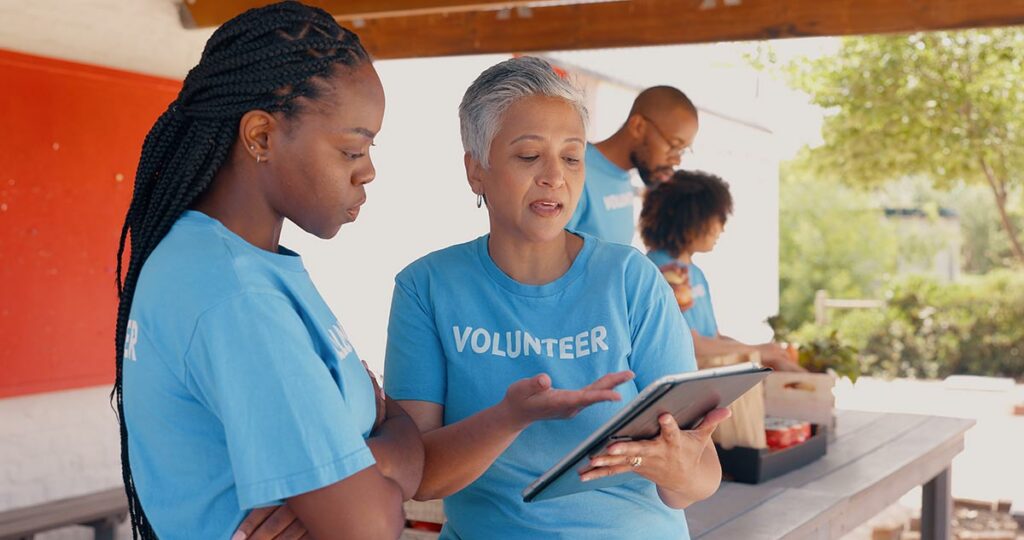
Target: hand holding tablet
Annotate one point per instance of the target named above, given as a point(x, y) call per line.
point(686, 397)
point(666, 459)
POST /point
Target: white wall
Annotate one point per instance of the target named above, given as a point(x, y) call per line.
point(58, 445)
point(743, 270)
point(145, 36)
point(735, 104)
point(420, 202)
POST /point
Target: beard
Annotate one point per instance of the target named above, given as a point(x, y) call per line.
point(651, 176)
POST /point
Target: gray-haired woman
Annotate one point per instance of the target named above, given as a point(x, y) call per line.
point(484, 335)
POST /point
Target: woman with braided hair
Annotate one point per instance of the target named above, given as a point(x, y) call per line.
point(236, 387)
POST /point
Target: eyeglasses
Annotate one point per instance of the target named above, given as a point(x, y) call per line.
point(673, 149)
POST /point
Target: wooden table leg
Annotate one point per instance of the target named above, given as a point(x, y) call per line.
point(937, 508)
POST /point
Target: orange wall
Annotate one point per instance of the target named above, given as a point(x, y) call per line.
point(70, 136)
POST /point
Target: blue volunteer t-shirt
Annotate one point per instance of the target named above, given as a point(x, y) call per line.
point(701, 316)
point(462, 331)
point(605, 209)
point(240, 387)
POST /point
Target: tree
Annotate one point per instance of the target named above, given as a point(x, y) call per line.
point(946, 105)
point(831, 237)
point(986, 247)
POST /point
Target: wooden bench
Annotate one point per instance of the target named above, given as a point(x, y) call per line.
point(102, 510)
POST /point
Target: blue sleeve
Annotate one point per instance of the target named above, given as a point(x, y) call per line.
point(581, 209)
point(661, 339)
point(701, 315)
point(414, 361)
point(691, 316)
point(712, 318)
point(288, 430)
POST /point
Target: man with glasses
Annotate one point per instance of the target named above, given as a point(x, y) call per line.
point(661, 126)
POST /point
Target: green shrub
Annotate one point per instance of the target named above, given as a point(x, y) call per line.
point(932, 330)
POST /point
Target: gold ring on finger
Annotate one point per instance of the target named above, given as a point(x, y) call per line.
point(636, 462)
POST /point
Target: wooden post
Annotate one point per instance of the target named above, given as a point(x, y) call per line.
point(821, 307)
point(936, 508)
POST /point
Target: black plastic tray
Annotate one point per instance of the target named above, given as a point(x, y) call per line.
point(753, 466)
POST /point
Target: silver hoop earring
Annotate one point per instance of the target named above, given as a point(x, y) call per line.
point(259, 158)
point(479, 200)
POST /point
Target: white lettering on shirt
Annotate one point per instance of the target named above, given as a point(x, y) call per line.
point(581, 344)
point(512, 344)
point(531, 342)
point(565, 348)
point(478, 345)
point(339, 340)
point(618, 200)
point(496, 350)
point(460, 340)
point(515, 344)
point(597, 337)
point(131, 337)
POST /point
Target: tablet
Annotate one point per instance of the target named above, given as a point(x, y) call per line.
point(688, 396)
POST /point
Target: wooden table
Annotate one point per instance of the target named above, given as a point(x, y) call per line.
point(873, 461)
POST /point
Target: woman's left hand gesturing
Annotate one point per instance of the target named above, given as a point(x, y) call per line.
point(672, 460)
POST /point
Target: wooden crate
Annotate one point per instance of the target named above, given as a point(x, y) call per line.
point(428, 511)
point(410, 534)
point(801, 396)
point(746, 425)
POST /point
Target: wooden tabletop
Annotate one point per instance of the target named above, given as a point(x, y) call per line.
point(873, 461)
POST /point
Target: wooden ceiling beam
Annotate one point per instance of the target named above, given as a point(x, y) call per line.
point(216, 12)
point(662, 22)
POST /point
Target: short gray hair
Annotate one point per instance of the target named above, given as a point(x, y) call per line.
point(501, 85)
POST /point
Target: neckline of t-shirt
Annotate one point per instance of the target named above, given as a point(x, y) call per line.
point(658, 255)
point(285, 258)
point(605, 163)
point(499, 276)
point(661, 253)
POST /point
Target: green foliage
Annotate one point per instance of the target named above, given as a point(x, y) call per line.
point(819, 352)
point(945, 105)
point(831, 238)
point(986, 246)
point(830, 353)
point(909, 116)
point(932, 330)
point(930, 103)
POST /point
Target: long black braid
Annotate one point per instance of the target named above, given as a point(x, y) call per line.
point(262, 59)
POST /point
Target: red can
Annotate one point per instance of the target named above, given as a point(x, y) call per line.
point(805, 431)
point(777, 434)
point(796, 432)
point(424, 525)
